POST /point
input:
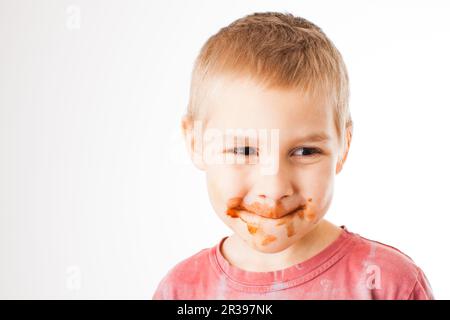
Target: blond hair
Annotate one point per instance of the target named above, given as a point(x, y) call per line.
point(278, 51)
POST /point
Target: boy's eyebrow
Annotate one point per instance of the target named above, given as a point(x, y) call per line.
point(242, 137)
point(314, 137)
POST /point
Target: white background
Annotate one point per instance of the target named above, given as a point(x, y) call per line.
point(97, 196)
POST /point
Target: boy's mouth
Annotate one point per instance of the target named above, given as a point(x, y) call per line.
point(235, 206)
point(253, 215)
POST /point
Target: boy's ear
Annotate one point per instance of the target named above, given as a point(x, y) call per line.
point(347, 142)
point(193, 141)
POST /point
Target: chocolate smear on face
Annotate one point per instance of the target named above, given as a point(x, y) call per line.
point(234, 205)
point(290, 229)
point(268, 239)
point(252, 228)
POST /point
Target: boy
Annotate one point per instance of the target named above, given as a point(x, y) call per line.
point(268, 121)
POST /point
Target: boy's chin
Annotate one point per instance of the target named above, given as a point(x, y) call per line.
point(271, 249)
point(274, 247)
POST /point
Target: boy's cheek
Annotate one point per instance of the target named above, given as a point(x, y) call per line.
point(226, 182)
point(222, 184)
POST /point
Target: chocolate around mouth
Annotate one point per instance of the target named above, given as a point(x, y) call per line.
point(261, 210)
point(253, 227)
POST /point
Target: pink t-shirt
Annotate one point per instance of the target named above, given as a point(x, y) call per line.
point(351, 267)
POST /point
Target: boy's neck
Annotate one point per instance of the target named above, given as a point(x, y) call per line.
point(240, 254)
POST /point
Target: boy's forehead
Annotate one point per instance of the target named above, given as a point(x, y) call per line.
point(240, 90)
point(245, 104)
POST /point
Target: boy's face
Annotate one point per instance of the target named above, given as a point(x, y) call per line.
point(273, 202)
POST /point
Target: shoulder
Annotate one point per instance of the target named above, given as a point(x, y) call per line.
point(187, 269)
point(387, 272)
point(389, 257)
point(183, 275)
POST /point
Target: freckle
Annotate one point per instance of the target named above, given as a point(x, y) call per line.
point(268, 239)
point(290, 229)
point(310, 200)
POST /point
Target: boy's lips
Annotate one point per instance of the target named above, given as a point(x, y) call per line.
point(257, 216)
point(261, 210)
point(276, 214)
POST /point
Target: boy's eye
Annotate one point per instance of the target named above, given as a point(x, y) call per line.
point(306, 152)
point(250, 151)
point(246, 151)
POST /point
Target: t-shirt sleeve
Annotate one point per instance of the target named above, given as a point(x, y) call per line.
point(162, 292)
point(183, 281)
point(157, 295)
point(422, 289)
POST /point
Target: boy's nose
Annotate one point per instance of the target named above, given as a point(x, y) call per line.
point(271, 193)
point(276, 186)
